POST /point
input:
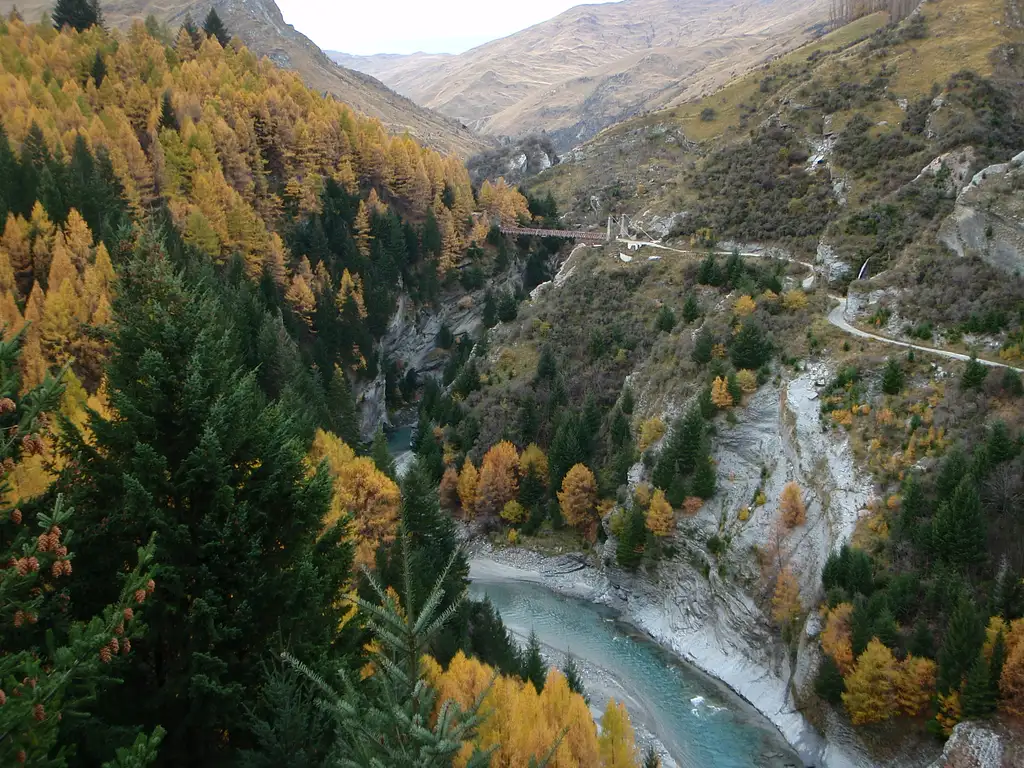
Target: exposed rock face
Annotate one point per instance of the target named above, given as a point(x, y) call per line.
point(957, 163)
point(988, 220)
point(980, 745)
point(835, 268)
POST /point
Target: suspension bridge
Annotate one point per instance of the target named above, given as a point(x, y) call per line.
point(617, 231)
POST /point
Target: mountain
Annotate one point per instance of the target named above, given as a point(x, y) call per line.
point(597, 64)
point(261, 26)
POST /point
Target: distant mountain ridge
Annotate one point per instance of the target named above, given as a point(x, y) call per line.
point(595, 65)
point(261, 26)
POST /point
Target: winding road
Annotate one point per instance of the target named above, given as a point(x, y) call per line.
point(837, 318)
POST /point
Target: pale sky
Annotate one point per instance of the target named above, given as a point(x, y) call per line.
point(407, 26)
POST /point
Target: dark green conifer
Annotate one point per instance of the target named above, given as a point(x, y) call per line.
point(666, 319)
point(995, 666)
point(99, 69)
point(77, 14)
point(691, 309)
point(390, 720)
point(750, 348)
point(341, 409)
point(214, 27)
point(703, 346)
point(892, 377)
point(628, 401)
point(975, 374)
point(629, 552)
point(571, 671)
point(168, 117)
point(921, 641)
point(704, 479)
point(381, 455)
point(977, 697)
point(829, 683)
point(197, 455)
point(535, 670)
point(961, 645)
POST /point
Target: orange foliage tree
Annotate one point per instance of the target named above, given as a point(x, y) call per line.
point(836, 638)
point(786, 599)
point(361, 490)
point(872, 689)
point(791, 504)
point(578, 498)
point(661, 517)
point(498, 483)
point(467, 487)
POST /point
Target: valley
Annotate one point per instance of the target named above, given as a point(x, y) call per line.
point(640, 389)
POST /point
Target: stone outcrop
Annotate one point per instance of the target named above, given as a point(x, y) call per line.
point(981, 745)
point(988, 220)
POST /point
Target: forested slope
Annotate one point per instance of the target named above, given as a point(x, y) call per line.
point(199, 256)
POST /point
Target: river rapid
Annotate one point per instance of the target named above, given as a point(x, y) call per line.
point(698, 722)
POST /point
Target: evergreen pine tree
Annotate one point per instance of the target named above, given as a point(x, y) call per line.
point(341, 409)
point(977, 697)
point(77, 14)
point(892, 377)
point(198, 456)
point(390, 720)
point(975, 374)
point(829, 683)
point(628, 401)
point(490, 311)
point(629, 552)
point(168, 118)
point(733, 387)
point(534, 668)
point(750, 348)
point(566, 450)
point(214, 27)
point(709, 273)
point(921, 641)
point(381, 455)
point(1012, 383)
point(573, 678)
point(190, 26)
point(961, 645)
point(703, 346)
point(618, 431)
point(704, 479)
point(691, 308)
point(958, 530)
point(99, 69)
point(666, 319)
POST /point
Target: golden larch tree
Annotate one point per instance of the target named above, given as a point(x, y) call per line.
point(1011, 682)
point(872, 689)
point(448, 491)
point(467, 488)
point(361, 490)
point(744, 306)
point(915, 686)
point(533, 458)
point(661, 518)
point(791, 505)
point(498, 483)
point(786, 599)
point(836, 637)
point(578, 498)
point(617, 743)
point(720, 393)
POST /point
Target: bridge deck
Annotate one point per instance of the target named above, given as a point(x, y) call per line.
point(568, 234)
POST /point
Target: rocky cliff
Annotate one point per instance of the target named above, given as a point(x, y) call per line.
point(988, 220)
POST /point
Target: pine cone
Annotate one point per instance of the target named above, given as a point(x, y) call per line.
point(126, 647)
point(129, 614)
point(38, 712)
point(105, 654)
point(150, 586)
point(16, 516)
point(114, 645)
point(3, 697)
point(140, 595)
point(7, 405)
